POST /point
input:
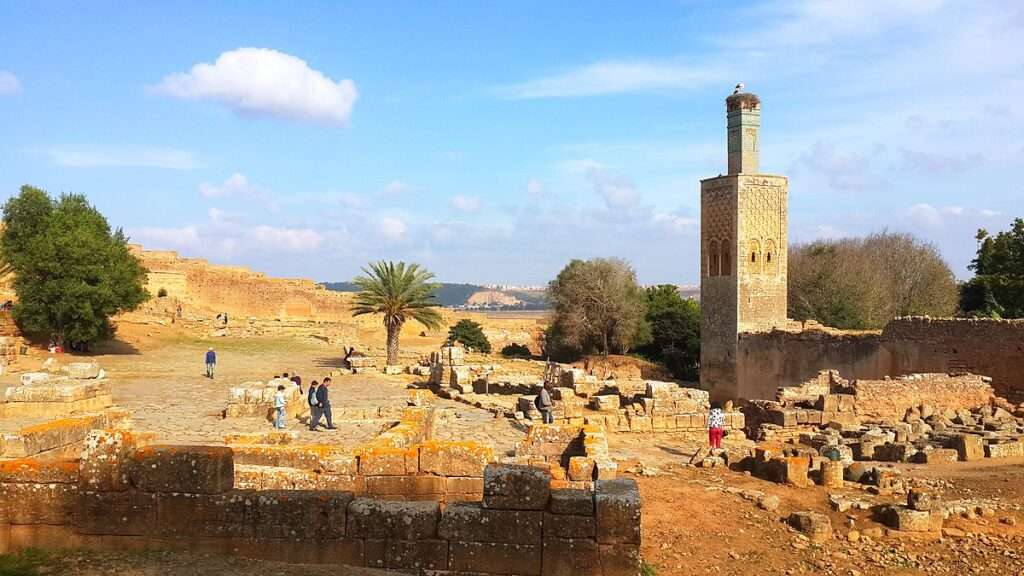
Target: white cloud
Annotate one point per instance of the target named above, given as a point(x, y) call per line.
point(392, 228)
point(616, 77)
point(395, 187)
point(845, 171)
point(263, 81)
point(351, 200)
point(932, 216)
point(465, 203)
point(534, 188)
point(287, 239)
point(235, 185)
point(618, 192)
point(9, 83)
point(110, 157)
point(167, 238)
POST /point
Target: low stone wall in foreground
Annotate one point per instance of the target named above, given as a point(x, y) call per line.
point(118, 496)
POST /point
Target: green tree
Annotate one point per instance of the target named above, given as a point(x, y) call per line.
point(71, 272)
point(597, 305)
point(398, 292)
point(861, 283)
point(675, 331)
point(997, 289)
point(470, 334)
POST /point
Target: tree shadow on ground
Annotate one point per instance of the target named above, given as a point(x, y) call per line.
point(329, 362)
point(110, 348)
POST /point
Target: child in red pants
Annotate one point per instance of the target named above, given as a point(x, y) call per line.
point(716, 425)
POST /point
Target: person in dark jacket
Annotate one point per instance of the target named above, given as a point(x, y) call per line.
point(314, 406)
point(298, 381)
point(544, 404)
point(211, 362)
point(324, 401)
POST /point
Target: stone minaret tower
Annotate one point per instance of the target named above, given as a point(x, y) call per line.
point(743, 254)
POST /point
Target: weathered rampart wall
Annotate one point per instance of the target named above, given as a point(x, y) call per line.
point(890, 399)
point(994, 348)
point(240, 291)
point(121, 496)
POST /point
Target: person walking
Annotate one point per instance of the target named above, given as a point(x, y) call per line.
point(544, 404)
point(716, 425)
point(314, 406)
point(298, 381)
point(279, 404)
point(324, 401)
point(211, 362)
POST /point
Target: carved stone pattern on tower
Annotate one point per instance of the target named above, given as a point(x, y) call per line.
point(717, 223)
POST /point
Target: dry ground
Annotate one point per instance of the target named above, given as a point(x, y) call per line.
point(692, 523)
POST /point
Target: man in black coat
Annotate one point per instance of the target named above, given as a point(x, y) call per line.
point(324, 401)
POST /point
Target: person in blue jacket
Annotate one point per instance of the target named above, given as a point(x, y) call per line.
point(211, 362)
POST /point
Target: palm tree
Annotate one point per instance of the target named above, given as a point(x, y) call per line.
point(399, 292)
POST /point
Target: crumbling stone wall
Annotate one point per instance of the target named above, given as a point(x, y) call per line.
point(890, 399)
point(994, 348)
point(176, 497)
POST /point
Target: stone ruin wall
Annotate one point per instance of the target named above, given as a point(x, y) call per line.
point(240, 291)
point(994, 348)
point(889, 399)
point(122, 495)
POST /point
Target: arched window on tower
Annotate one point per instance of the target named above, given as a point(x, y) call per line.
point(726, 260)
point(714, 258)
point(771, 258)
point(754, 259)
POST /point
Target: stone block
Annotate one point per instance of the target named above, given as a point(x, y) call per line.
point(640, 423)
point(581, 468)
point(938, 455)
point(388, 520)
point(920, 500)
point(968, 447)
point(570, 557)
point(907, 520)
point(467, 459)
point(832, 474)
point(407, 555)
point(795, 470)
point(458, 485)
point(190, 469)
point(104, 461)
point(605, 403)
point(1004, 450)
point(413, 487)
point(619, 559)
point(569, 526)
point(334, 482)
point(605, 468)
point(295, 514)
point(37, 503)
point(39, 471)
point(30, 378)
point(894, 452)
point(858, 472)
point(82, 370)
point(572, 501)
point(495, 558)
point(617, 506)
point(231, 514)
point(513, 487)
point(468, 521)
point(116, 513)
point(814, 525)
point(388, 461)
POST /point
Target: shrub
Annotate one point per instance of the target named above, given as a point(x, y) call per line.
point(516, 351)
point(161, 293)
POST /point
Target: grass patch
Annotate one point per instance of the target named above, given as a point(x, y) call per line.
point(648, 570)
point(23, 563)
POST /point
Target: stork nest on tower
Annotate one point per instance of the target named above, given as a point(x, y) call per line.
point(742, 101)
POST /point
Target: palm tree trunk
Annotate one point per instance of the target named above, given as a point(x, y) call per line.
point(393, 331)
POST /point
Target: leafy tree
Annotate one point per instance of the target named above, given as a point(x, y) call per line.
point(675, 331)
point(516, 351)
point(997, 289)
point(597, 306)
point(470, 334)
point(861, 283)
point(398, 292)
point(71, 272)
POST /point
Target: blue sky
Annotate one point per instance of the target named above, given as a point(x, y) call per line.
point(494, 141)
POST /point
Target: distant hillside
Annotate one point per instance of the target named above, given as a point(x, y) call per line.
point(462, 295)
